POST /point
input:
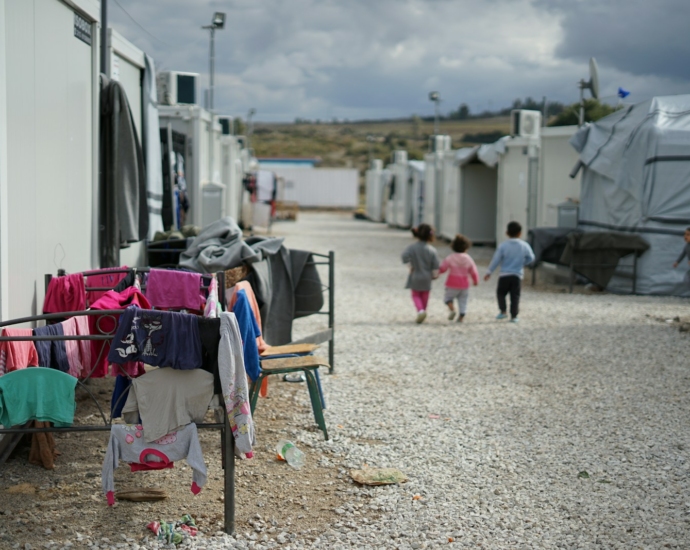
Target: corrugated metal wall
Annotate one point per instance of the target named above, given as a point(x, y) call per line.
point(50, 148)
point(321, 187)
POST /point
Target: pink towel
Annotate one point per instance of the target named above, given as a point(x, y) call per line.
point(17, 355)
point(174, 289)
point(65, 294)
point(78, 351)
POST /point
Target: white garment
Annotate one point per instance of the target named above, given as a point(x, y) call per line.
point(168, 398)
point(233, 380)
point(265, 185)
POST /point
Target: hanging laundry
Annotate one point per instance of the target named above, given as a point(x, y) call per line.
point(123, 204)
point(37, 394)
point(65, 294)
point(17, 355)
point(231, 298)
point(167, 289)
point(43, 450)
point(78, 351)
point(105, 279)
point(128, 443)
point(107, 325)
point(166, 399)
point(212, 308)
point(120, 394)
point(249, 329)
point(51, 353)
point(158, 338)
point(233, 379)
point(209, 335)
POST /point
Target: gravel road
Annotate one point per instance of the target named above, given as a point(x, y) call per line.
point(568, 430)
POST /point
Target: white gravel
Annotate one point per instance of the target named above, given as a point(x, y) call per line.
point(585, 383)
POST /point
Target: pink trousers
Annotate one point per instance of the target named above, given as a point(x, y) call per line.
point(420, 299)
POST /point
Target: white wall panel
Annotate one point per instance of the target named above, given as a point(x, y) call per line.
point(321, 187)
point(557, 158)
point(50, 148)
point(513, 173)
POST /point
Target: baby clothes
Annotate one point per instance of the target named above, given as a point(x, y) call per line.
point(249, 330)
point(17, 355)
point(37, 393)
point(158, 338)
point(128, 443)
point(78, 351)
point(233, 380)
point(65, 294)
point(51, 353)
point(169, 289)
point(166, 399)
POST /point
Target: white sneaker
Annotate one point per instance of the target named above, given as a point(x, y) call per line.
point(451, 315)
point(421, 316)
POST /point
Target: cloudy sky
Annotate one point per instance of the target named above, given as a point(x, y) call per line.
point(359, 59)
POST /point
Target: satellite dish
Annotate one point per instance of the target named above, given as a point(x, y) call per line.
point(593, 83)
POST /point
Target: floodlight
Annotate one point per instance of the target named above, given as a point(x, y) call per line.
point(218, 20)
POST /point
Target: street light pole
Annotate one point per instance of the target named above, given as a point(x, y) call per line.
point(436, 98)
point(218, 22)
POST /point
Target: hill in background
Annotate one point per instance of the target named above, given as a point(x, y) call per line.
point(350, 144)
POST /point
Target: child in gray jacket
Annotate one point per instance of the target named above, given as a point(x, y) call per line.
point(424, 266)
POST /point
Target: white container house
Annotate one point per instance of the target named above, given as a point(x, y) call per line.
point(197, 135)
point(400, 202)
point(433, 180)
point(375, 188)
point(48, 146)
point(417, 170)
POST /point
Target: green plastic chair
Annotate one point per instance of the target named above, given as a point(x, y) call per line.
point(288, 365)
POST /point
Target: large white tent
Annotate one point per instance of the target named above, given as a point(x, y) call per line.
point(636, 178)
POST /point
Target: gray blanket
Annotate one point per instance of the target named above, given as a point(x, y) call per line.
point(220, 246)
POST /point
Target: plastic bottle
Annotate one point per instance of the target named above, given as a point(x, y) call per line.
point(292, 455)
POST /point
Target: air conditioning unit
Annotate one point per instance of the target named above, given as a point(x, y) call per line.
point(439, 143)
point(525, 123)
point(226, 124)
point(376, 164)
point(175, 88)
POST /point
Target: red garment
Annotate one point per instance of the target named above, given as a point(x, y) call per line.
point(108, 325)
point(103, 279)
point(169, 289)
point(65, 294)
point(17, 355)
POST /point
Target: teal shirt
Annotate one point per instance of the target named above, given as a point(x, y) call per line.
point(37, 393)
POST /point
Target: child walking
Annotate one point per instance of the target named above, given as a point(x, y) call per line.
point(461, 268)
point(512, 255)
point(424, 265)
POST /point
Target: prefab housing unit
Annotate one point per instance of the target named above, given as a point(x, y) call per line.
point(321, 187)
point(232, 175)
point(469, 196)
point(417, 169)
point(556, 160)
point(399, 208)
point(375, 186)
point(433, 180)
point(202, 155)
point(48, 146)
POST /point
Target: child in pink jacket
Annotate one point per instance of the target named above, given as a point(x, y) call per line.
point(461, 268)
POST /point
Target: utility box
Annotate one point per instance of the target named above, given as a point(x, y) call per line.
point(568, 214)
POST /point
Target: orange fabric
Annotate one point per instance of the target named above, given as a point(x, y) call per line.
point(231, 298)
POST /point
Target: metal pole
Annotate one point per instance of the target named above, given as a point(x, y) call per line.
point(582, 103)
point(436, 129)
point(104, 37)
point(545, 111)
point(331, 309)
point(229, 474)
point(212, 63)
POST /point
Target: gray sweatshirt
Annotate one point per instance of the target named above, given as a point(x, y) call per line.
point(423, 261)
point(127, 443)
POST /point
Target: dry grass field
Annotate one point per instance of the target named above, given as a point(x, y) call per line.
point(346, 144)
